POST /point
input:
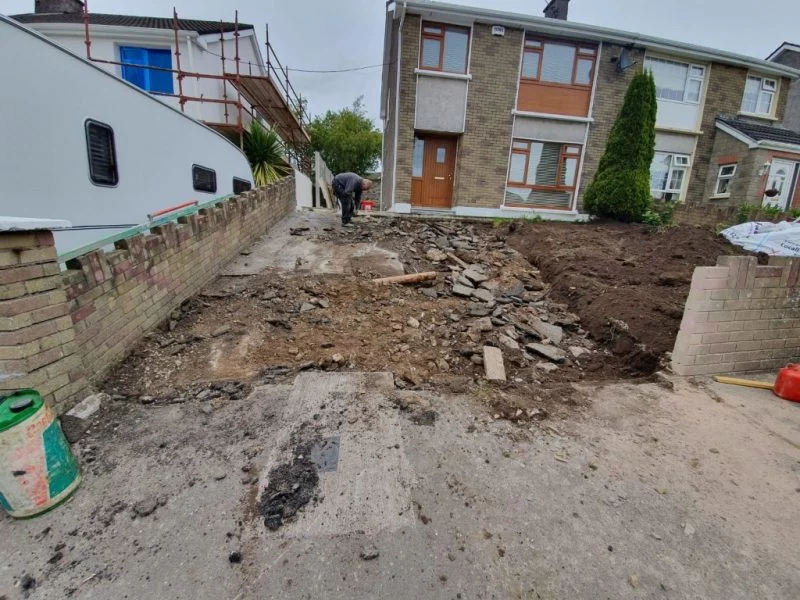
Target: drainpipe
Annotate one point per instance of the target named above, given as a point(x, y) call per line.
point(397, 101)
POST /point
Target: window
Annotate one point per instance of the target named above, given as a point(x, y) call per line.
point(102, 154)
point(559, 63)
point(204, 179)
point(667, 174)
point(676, 81)
point(724, 180)
point(759, 95)
point(444, 48)
point(241, 185)
point(542, 174)
point(150, 80)
point(419, 156)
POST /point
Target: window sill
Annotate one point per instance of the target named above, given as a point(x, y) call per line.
point(758, 116)
point(444, 74)
point(720, 197)
point(666, 129)
point(551, 116)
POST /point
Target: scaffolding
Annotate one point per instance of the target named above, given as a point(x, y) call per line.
point(271, 97)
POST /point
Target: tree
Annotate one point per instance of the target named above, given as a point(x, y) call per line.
point(265, 153)
point(347, 139)
point(621, 186)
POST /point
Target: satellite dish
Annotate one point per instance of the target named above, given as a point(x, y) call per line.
point(625, 61)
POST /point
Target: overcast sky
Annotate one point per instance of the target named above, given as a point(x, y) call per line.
point(336, 34)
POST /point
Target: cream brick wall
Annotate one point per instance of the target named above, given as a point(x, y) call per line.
point(59, 331)
point(740, 317)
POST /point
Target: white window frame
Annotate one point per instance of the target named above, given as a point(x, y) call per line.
point(678, 162)
point(721, 176)
point(763, 89)
point(689, 77)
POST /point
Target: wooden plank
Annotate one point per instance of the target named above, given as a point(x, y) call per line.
point(493, 364)
point(457, 260)
point(762, 385)
point(413, 278)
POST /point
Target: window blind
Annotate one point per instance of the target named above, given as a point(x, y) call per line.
point(102, 154)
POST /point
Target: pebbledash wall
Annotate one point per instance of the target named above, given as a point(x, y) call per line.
point(740, 316)
point(61, 330)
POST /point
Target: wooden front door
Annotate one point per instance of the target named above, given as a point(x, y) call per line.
point(433, 170)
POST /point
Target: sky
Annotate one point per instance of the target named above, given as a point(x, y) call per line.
point(341, 34)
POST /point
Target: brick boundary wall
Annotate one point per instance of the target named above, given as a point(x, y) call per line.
point(62, 330)
point(740, 316)
point(720, 217)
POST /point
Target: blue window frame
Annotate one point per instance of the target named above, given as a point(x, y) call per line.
point(150, 80)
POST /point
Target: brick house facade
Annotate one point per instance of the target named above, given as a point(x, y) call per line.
point(496, 114)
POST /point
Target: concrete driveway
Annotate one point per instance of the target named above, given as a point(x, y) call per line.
point(640, 492)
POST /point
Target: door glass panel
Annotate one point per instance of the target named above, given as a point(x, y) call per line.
point(430, 53)
point(419, 154)
point(530, 65)
point(455, 51)
point(517, 168)
point(557, 63)
point(583, 75)
point(441, 155)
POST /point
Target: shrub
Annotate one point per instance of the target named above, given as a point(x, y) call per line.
point(744, 212)
point(621, 187)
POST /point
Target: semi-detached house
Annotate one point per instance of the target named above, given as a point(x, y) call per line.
point(489, 113)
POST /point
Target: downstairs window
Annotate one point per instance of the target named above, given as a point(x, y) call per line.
point(667, 175)
point(542, 174)
point(724, 180)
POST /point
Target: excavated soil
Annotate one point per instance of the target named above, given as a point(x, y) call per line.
point(628, 283)
point(565, 303)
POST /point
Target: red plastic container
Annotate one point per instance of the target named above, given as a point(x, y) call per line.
point(787, 385)
point(367, 205)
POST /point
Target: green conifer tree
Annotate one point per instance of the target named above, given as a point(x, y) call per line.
point(621, 187)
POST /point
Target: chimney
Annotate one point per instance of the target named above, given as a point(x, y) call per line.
point(557, 9)
point(58, 6)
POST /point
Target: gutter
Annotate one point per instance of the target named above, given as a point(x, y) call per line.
point(602, 34)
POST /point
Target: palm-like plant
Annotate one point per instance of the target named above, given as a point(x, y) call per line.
point(264, 150)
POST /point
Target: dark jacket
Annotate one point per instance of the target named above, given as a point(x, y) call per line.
point(346, 184)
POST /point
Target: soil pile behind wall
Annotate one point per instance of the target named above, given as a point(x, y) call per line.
point(628, 283)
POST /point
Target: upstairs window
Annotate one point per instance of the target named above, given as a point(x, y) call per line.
point(676, 81)
point(558, 63)
point(102, 154)
point(444, 48)
point(759, 96)
point(150, 80)
point(667, 174)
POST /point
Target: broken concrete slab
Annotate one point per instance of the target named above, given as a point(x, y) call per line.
point(475, 276)
point(507, 342)
point(462, 280)
point(76, 422)
point(493, 364)
point(462, 290)
point(483, 295)
point(556, 355)
point(577, 351)
point(307, 306)
point(554, 333)
point(483, 325)
point(547, 367)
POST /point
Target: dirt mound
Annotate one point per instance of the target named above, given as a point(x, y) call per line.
point(628, 283)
